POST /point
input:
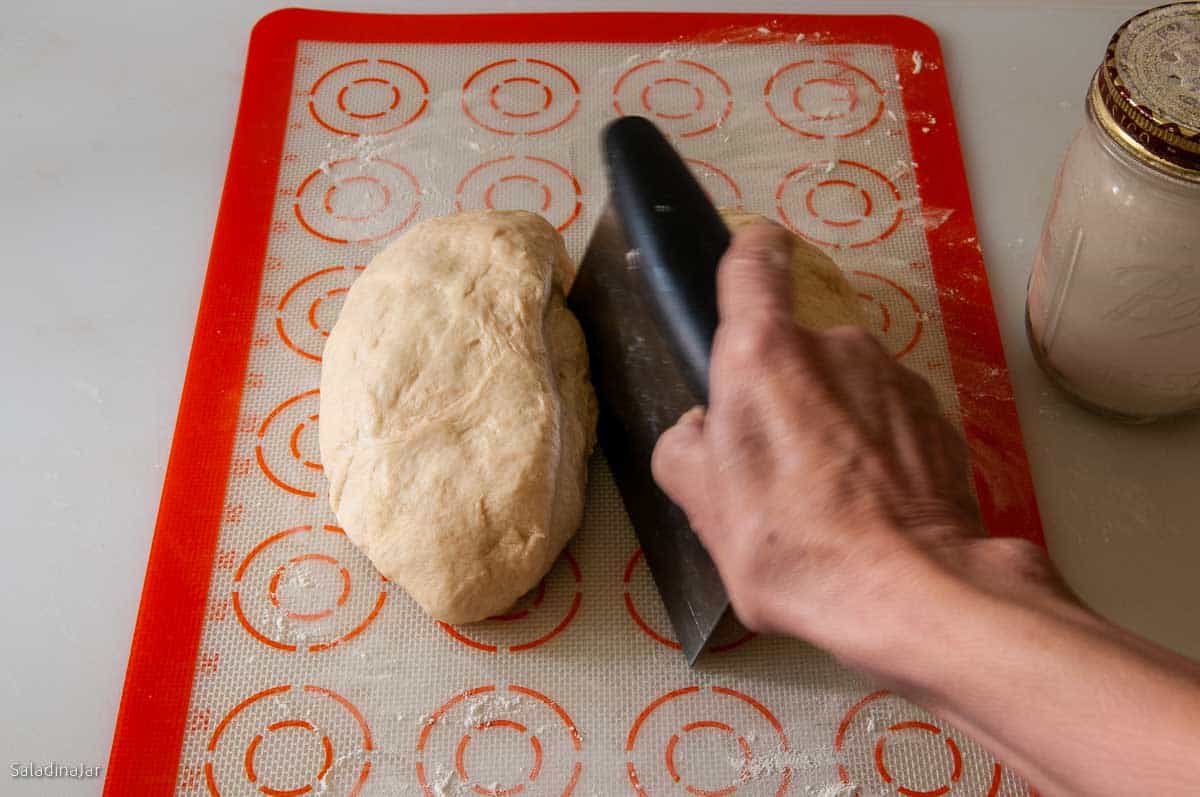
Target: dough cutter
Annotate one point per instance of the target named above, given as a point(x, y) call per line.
point(646, 297)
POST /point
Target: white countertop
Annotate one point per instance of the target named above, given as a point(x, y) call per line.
point(114, 149)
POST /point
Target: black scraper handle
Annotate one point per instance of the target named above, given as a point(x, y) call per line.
point(678, 235)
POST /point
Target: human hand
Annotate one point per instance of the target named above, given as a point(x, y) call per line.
point(823, 478)
point(834, 500)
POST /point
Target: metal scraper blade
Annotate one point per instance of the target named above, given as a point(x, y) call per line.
point(643, 391)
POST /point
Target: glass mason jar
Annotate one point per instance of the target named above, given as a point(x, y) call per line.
point(1113, 310)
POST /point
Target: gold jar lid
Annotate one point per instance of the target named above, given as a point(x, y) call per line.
point(1147, 92)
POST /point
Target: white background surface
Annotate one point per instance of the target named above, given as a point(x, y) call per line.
point(118, 119)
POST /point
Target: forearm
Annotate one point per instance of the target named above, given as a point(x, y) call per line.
point(1054, 692)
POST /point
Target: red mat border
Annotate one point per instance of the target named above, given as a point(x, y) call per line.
point(150, 726)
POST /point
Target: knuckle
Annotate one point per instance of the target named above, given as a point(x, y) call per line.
point(1016, 554)
point(755, 339)
point(1024, 561)
point(857, 339)
point(660, 457)
point(758, 254)
point(665, 458)
point(750, 612)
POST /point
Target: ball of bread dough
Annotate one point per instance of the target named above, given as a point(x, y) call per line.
point(456, 412)
point(821, 297)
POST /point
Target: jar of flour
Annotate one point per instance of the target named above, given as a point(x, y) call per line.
point(1113, 311)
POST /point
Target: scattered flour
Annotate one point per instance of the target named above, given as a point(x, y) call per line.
point(775, 762)
point(442, 781)
point(488, 707)
point(833, 790)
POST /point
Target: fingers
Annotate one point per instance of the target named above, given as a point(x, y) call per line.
point(755, 278)
point(754, 295)
point(680, 460)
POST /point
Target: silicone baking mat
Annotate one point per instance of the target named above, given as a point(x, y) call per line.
point(269, 658)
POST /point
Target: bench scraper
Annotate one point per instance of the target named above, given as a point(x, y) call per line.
point(646, 296)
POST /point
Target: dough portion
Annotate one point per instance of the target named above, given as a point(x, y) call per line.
point(821, 297)
point(457, 415)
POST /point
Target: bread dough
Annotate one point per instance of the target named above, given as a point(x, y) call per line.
point(821, 297)
point(456, 412)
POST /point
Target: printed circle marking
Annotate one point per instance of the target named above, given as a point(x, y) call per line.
point(686, 98)
point(535, 620)
point(287, 445)
point(722, 189)
point(729, 734)
point(534, 744)
point(863, 741)
point(645, 609)
point(368, 97)
point(839, 204)
point(520, 96)
point(827, 98)
point(357, 201)
point(305, 314)
point(899, 319)
point(306, 587)
point(287, 747)
point(524, 182)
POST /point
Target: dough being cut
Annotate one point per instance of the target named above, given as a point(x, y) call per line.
point(821, 297)
point(456, 412)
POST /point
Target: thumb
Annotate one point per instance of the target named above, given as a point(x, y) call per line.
point(680, 463)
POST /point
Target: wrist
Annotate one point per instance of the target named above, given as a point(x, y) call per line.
point(932, 629)
point(917, 609)
point(907, 622)
point(883, 610)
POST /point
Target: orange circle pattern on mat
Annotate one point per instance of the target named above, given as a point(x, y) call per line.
point(881, 722)
point(897, 318)
point(708, 742)
point(534, 744)
point(839, 204)
point(306, 588)
point(368, 97)
point(355, 200)
point(827, 98)
point(286, 448)
point(525, 182)
point(305, 314)
point(536, 620)
point(520, 96)
point(722, 189)
point(640, 591)
point(284, 742)
point(684, 98)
